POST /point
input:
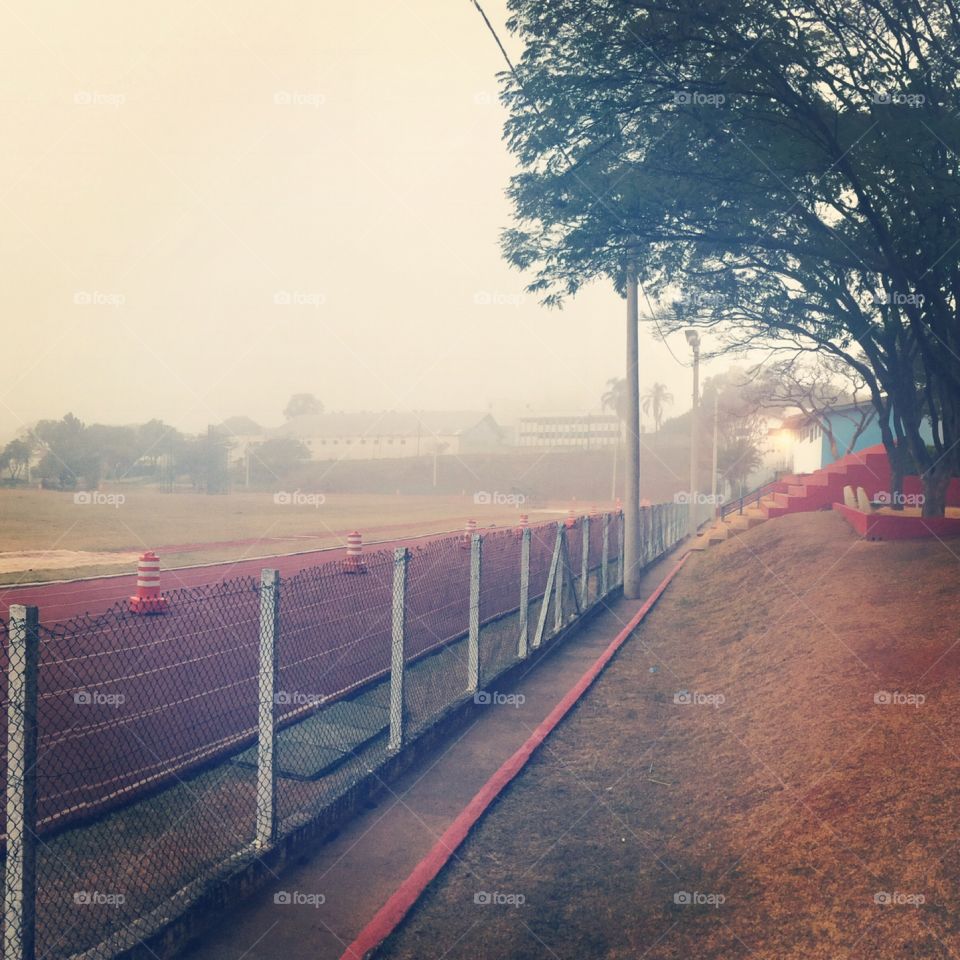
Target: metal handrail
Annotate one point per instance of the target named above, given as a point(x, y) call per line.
point(754, 496)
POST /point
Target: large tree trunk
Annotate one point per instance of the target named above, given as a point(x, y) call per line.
point(900, 464)
point(936, 480)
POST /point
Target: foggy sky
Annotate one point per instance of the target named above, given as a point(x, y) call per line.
point(174, 172)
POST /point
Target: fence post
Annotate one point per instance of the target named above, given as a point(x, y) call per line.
point(584, 563)
point(620, 546)
point(555, 563)
point(524, 592)
point(603, 559)
point(267, 722)
point(473, 642)
point(20, 880)
point(398, 647)
point(558, 582)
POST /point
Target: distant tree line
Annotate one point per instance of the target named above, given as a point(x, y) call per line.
point(67, 454)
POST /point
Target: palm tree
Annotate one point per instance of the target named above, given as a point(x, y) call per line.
point(655, 400)
point(615, 399)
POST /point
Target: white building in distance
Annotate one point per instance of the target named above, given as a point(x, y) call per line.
point(392, 434)
point(583, 431)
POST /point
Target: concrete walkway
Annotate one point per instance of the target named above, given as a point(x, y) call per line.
point(339, 885)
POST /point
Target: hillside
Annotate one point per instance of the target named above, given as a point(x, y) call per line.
point(810, 791)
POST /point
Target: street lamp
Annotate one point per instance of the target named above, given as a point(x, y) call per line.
point(693, 338)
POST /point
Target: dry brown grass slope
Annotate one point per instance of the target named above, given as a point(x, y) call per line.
point(799, 798)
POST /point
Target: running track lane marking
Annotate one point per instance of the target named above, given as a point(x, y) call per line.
point(388, 917)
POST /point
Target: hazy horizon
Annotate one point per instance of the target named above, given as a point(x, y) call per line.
point(176, 178)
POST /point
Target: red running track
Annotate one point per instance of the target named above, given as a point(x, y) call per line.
point(61, 600)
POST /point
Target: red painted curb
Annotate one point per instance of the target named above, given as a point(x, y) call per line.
point(388, 917)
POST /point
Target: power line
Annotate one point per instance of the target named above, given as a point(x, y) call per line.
point(566, 157)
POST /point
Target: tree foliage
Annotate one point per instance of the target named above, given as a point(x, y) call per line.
point(302, 404)
point(792, 167)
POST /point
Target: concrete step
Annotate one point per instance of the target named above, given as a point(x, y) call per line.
point(716, 535)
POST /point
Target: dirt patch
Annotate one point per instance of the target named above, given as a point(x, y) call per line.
point(29, 560)
point(770, 768)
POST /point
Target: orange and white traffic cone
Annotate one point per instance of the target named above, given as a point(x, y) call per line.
point(353, 562)
point(524, 524)
point(148, 598)
point(468, 531)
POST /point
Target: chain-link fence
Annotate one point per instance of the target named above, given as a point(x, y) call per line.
point(149, 757)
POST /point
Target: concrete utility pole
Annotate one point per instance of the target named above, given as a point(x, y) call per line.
point(693, 338)
point(631, 500)
point(716, 432)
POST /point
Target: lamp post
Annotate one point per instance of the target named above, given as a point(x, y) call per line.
point(693, 338)
point(716, 431)
point(632, 588)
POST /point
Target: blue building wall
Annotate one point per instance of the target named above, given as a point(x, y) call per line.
point(844, 428)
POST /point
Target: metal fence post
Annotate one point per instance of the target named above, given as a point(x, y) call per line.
point(555, 563)
point(558, 582)
point(620, 551)
point(397, 647)
point(266, 717)
point(524, 592)
point(473, 642)
point(585, 563)
point(603, 559)
point(20, 878)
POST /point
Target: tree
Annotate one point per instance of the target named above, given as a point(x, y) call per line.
point(204, 459)
point(115, 448)
point(156, 439)
point(823, 389)
point(654, 401)
point(301, 405)
point(14, 458)
point(615, 398)
point(772, 157)
point(67, 457)
point(275, 459)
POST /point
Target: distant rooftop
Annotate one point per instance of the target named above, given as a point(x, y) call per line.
point(390, 423)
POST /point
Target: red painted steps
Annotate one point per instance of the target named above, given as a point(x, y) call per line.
point(868, 468)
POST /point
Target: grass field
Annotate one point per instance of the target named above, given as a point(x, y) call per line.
point(47, 535)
